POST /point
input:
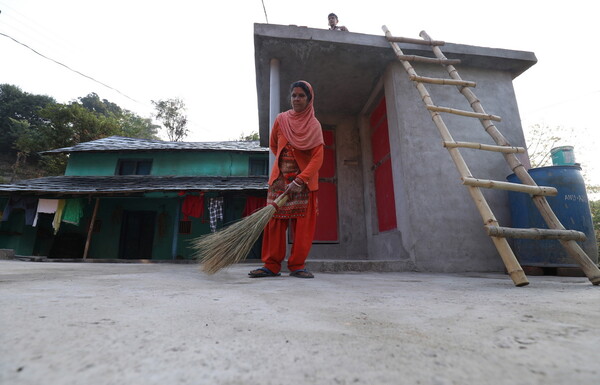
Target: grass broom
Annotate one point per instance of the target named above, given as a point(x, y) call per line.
point(232, 244)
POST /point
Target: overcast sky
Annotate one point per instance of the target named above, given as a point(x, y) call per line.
point(203, 52)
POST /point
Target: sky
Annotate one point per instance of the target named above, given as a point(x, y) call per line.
point(202, 52)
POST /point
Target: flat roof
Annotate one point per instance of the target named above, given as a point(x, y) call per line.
point(343, 64)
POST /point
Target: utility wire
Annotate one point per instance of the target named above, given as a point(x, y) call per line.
point(265, 10)
point(66, 66)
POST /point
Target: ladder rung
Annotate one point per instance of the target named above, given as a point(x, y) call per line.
point(494, 184)
point(452, 82)
point(486, 147)
point(465, 113)
point(398, 39)
point(424, 59)
point(509, 232)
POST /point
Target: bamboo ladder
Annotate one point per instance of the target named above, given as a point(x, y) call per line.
point(498, 234)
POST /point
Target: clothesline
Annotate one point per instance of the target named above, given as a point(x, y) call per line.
point(64, 210)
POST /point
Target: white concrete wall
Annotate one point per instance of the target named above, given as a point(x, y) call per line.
point(388, 245)
point(440, 225)
point(351, 224)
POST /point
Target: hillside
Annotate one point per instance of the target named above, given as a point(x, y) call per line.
point(25, 171)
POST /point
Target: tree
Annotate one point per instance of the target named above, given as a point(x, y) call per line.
point(540, 140)
point(249, 138)
point(18, 106)
point(171, 113)
point(32, 123)
point(68, 125)
point(134, 126)
point(130, 125)
point(93, 103)
point(595, 209)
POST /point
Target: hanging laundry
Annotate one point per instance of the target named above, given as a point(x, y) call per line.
point(58, 215)
point(19, 202)
point(45, 206)
point(215, 210)
point(193, 206)
point(73, 211)
point(253, 204)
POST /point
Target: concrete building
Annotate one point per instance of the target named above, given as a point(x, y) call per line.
point(389, 187)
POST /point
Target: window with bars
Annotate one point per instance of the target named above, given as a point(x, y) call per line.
point(185, 227)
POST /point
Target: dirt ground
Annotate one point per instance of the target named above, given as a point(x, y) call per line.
point(96, 324)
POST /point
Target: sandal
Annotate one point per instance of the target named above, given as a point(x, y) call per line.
point(262, 272)
point(301, 273)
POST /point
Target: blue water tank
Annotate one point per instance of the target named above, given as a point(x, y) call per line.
point(572, 208)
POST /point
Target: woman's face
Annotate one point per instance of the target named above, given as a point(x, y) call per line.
point(299, 99)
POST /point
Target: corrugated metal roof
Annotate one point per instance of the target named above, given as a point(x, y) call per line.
point(130, 184)
point(120, 143)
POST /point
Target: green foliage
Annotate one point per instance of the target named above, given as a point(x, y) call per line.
point(171, 113)
point(595, 209)
point(30, 124)
point(249, 138)
point(134, 126)
point(129, 124)
point(92, 103)
point(16, 107)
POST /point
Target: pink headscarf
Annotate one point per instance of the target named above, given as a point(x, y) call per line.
point(302, 129)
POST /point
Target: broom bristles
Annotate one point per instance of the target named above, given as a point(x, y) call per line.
point(232, 244)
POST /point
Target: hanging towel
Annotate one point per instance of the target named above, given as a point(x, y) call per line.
point(26, 203)
point(215, 210)
point(193, 206)
point(73, 211)
point(253, 204)
point(45, 206)
point(58, 215)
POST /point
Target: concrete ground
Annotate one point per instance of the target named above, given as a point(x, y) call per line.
point(96, 324)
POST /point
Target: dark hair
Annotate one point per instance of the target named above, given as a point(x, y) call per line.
point(303, 86)
point(332, 14)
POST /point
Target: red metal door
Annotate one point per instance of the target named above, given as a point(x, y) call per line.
point(382, 168)
point(327, 220)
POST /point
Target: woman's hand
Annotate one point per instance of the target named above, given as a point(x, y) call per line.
point(295, 187)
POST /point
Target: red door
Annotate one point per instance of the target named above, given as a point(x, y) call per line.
point(327, 220)
point(382, 166)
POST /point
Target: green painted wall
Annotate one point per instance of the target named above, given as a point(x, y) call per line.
point(69, 241)
point(105, 244)
point(14, 234)
point(165, 163)
point(167, 242)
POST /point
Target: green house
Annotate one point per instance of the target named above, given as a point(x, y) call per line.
point(125, 198)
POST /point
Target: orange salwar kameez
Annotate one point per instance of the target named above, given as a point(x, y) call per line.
point(302, 210)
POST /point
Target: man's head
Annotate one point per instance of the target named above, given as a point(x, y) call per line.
point(333, 19)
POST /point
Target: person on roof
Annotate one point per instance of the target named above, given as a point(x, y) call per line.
point(333, 21)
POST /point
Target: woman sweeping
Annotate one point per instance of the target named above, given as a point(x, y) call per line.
point(297, 142)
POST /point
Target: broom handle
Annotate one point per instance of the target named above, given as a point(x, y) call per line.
point(280, 200)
